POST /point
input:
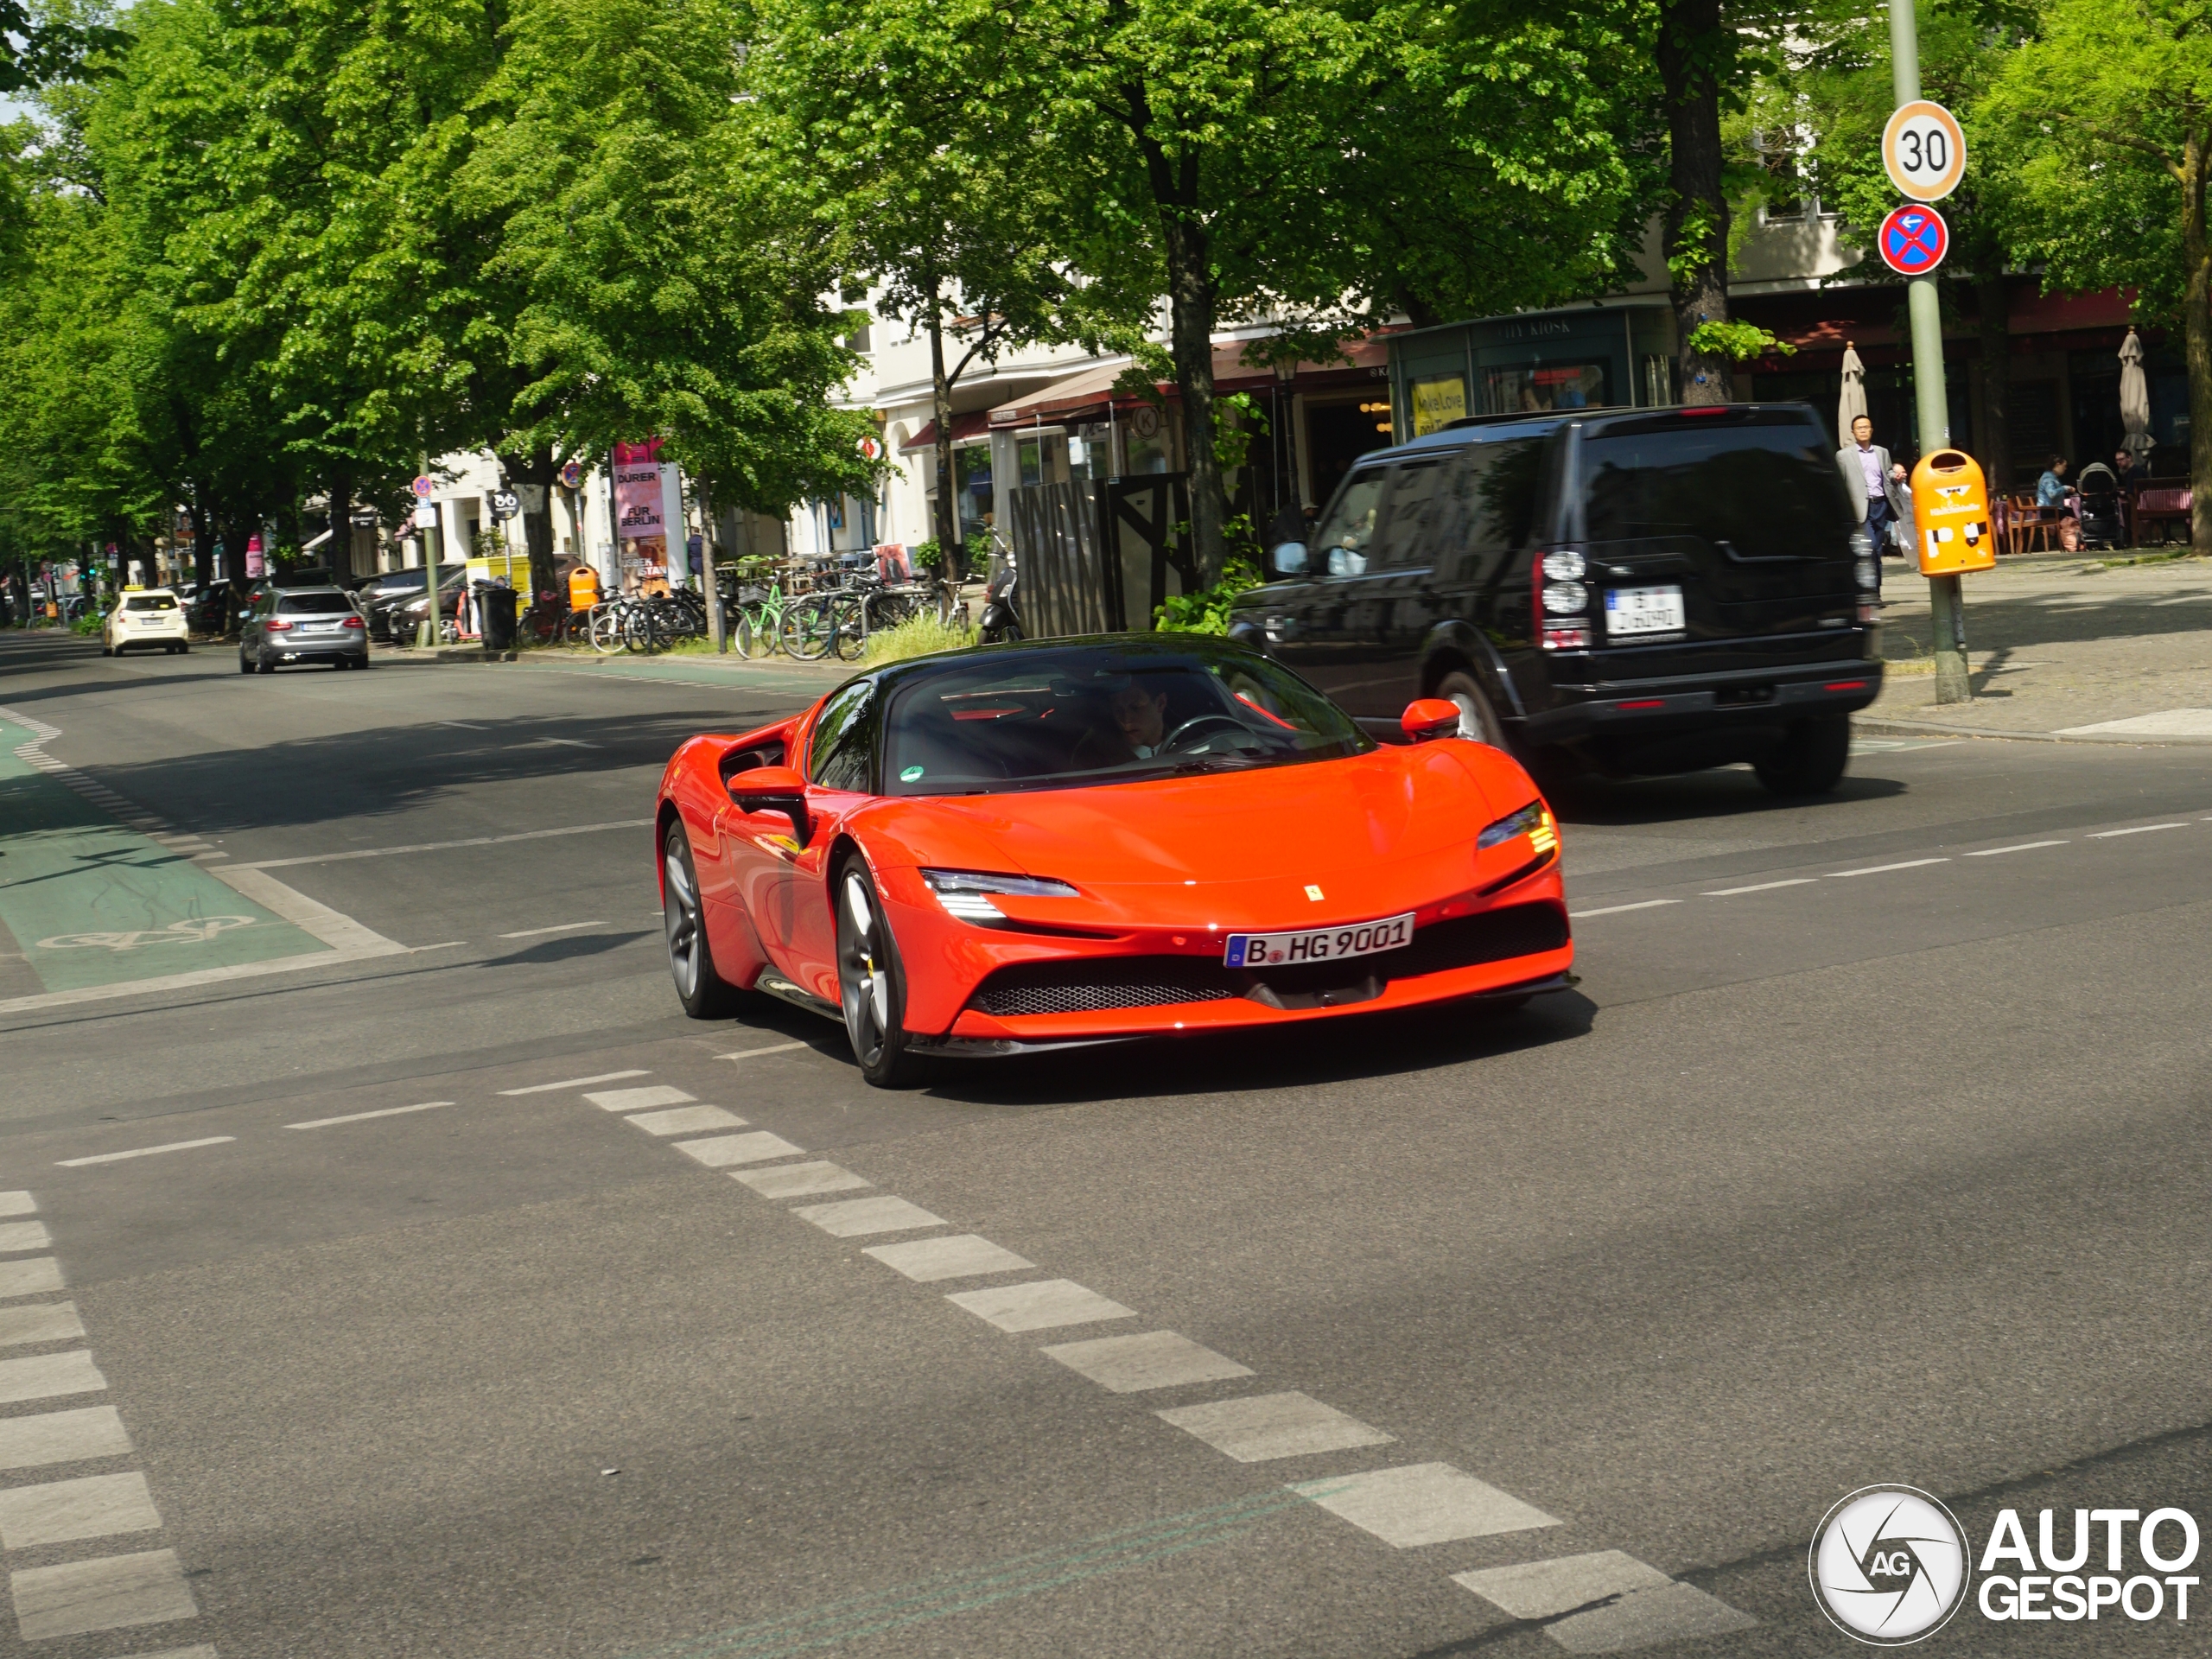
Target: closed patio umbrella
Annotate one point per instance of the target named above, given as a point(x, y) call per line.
point(1853, 403)
point(2134, 398)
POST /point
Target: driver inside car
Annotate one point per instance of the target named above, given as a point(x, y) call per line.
point(1134, 727)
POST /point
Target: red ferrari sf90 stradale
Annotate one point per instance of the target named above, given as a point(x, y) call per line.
point(1019, 847)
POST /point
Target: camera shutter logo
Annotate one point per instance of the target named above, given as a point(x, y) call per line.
point(1889, 1565)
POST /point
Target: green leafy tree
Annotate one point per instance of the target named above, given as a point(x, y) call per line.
point(2109, 111)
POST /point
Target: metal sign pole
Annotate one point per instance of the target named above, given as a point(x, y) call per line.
point(1931, 400)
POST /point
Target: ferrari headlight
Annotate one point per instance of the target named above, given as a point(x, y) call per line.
point(965, 893)
point(1534, 821)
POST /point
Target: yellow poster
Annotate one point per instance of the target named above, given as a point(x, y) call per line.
point(1438, 403)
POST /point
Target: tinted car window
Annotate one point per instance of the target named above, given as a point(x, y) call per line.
point(1345, 534)
point(1770, 491)
point(316, 605)
point(149, 603)
point(843, 737)
point(1417, 491)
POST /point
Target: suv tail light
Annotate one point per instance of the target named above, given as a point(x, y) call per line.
point(1561, 599)
point(352, 622)
point(276, 625)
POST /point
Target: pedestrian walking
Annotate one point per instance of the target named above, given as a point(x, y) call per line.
point(1877, 487)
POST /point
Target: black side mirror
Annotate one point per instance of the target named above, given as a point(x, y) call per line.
point(773, 789)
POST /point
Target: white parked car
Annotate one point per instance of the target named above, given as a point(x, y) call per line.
point(146, 618)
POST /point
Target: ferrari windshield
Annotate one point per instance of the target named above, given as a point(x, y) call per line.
point(1061, 717)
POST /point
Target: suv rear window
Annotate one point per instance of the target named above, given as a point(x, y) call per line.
point(1770, 491)
point(315, 605)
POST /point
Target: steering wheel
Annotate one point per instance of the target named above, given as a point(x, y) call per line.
point(1200, 725)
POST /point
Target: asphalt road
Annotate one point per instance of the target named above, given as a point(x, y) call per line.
point(1868, 1151)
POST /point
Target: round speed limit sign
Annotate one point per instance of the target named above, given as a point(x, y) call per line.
point(1923, 151)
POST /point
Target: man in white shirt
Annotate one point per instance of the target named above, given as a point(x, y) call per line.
point(1877, 487)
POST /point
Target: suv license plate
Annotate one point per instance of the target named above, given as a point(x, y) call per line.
point(1643, 610)
point(1317, 944)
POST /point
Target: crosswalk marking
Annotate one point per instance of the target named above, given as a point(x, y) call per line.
point(1624, 1603)
point(1040, 1305)
point(631, 1099)
point(1672, 1612)
point(1154, 1359)
point(17, 1204)
point(724, 1150)
point(32, 1277)
point(799, 1180)
point(686, 1119)
point(1547, 1589)
point(61, 1511)
point(62, 1436)
point(1260, 1427)
point(960, 1256)
point(108, 1593)
point(40, 1376)
point(40, 1322)
point(1423, 1503)
point(23, 1236)
point(575, 1083)
point(853, 1218)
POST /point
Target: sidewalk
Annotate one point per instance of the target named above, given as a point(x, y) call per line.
point(2060, 645)
point(780, 674)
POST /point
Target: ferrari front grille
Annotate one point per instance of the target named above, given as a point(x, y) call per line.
point(1101, 983)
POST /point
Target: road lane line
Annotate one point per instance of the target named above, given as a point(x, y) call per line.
point(339, 931)
point(1762, 886)
point(1156, 1359)
point(1423, 1503)
point(1043, 1305)
point(142, 1152)
point(1261, 1428)
point(1615, 909)
point(358, 1117)
point(558, 927)
point(961, 1256)
point(856, 1217)
point(1884, 869)
point(749, 1054)
point(576, 1083)
point(441, 846)
point(2139, 830)
point(2025, 847)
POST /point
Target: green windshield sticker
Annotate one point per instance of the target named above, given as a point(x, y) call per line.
point(909, 774)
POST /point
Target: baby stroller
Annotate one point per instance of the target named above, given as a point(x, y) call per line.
point(2104, 520)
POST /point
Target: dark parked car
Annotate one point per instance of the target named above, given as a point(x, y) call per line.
point(303, 624)
point(379, 595)
point(405, 618)
point(1630, 592)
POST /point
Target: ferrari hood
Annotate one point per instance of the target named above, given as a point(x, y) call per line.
point(1299, 823)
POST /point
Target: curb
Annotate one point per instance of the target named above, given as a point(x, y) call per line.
point(1893, 727)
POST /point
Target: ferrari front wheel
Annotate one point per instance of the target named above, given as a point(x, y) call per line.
point(871, 988)
point(704, 993)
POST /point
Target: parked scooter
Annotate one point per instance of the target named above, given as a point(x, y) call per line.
point(1001, 622)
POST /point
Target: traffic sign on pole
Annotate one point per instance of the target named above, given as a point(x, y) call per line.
point(424, 486)
point(1913, 240)
point(1925, 150)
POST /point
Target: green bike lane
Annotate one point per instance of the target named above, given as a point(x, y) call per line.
point(97, 907)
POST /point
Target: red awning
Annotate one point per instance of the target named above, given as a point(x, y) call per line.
point(964, 426)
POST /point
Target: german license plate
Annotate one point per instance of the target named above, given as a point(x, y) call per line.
point(1317, 944)
point(1631, 611)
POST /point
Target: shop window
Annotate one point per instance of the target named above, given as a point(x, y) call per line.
point(1533, 387)
point(971, 471)
point(1147, 442)
point(1030, 453)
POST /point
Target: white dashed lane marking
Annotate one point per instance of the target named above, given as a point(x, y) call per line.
point(146, 1152)
point(755, 1053)
point(686, 1119)
point(2137, 830)
point(1615, 909)
point(799, 1180)
point(573, 1083)
point(2024, 846)
point(962, 1255)
point(363, 1117)
point(855, 1218)
point(1423, 1503)
point(1884, 869)
point(557, 927)
point(631, 1100)
point(724, 1150)
point(1761, 886)
point(1261, 1427)
point(1040, 1305)
point(1155, 1359)
point(62, 1436)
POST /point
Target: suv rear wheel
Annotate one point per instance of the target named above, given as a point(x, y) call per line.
point(1810, 759)
point(1478, 720)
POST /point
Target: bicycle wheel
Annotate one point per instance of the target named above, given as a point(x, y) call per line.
point(807, 630)
point(606, 629)
point(738, 637)
point(643, 630)
point(848, 629)
point(762, 626)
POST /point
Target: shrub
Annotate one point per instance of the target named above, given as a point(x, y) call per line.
point(1206, 611)
point(918, 636)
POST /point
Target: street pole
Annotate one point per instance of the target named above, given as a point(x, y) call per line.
point(1932, 401)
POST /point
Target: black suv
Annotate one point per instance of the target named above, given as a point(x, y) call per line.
point(1630, 591)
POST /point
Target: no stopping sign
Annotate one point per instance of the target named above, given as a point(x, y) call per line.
point(1913, 240)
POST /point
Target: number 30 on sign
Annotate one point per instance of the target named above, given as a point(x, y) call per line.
point(1923, 151)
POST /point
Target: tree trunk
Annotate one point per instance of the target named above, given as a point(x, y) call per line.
point(1190, 333)
point(1996, 371)
point(951, 549)
point(537, 471)
point(711, 587)
point(2196, 314)
point(338, 551)
point(1691, 38)
point(203, 539)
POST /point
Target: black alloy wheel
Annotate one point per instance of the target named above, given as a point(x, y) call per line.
point(871, 988)
point(703, 991)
